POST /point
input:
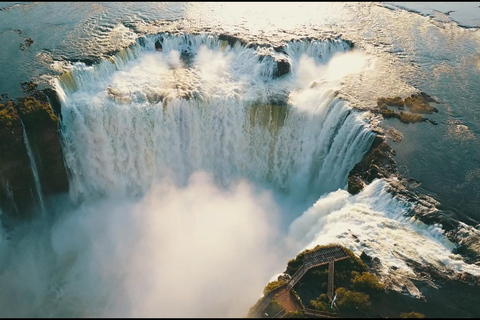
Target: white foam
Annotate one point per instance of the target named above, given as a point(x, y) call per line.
point(378, 224)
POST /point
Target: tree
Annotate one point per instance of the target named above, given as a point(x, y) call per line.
point(365, 282)
point(352, 300)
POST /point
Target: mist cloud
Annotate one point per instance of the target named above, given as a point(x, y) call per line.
point(194, 251)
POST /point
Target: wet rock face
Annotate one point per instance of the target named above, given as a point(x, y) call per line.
point(16, 179)
point(42, 127)
point(283, 67)
point(378, 162)
point(17, 184)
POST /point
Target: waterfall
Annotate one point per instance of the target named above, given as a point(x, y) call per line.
point(126, 125)
point(33, 165)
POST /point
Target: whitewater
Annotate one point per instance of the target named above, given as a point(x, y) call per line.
point(197, 173)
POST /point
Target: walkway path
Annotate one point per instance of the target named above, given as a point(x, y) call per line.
point(311, 260)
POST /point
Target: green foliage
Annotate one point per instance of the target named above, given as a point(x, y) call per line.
point(352, 300)
point(412, 315)
point(38, 112)
point(322, 303)
point(8, 114)
point(273, 285)
point(294, 264)
point(295, 314)
point(365, 282)
point(253, 307)
point(273, 308)
point(297, 297)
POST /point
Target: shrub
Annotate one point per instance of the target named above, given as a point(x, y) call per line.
point(366, 282)
point(322, 303)
point(273, 308)
point(412, 315)
point(351, 300)
point(295, 314)
point(273, 285)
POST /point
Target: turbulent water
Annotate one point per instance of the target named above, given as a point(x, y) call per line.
point(196, 172)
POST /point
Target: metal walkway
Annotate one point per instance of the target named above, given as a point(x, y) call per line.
point(311, 260)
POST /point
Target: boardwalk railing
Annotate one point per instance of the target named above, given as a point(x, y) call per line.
point(311, 260)
point(319, 314)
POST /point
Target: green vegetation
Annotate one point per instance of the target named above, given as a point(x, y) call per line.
point(273, 285)
point(297, 297)
point(35, 112)
point(412, 315)
point(294, 264)
point(8, 114)
point(295, 314)
point(322, 303)
point(359, 292)
point(352, 300)
point(366, 282)
point(273, 308)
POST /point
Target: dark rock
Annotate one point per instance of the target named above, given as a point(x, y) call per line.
point(28, 42)
point(406, 117)
point(282, 68)
point(88, 61)
point(376, 263)
point(418, 103)
point(17, 184)
point(395, 101)
point(427, 98)
point(365, 257)
point(378, 162)
point(158, 45)
point(230, 39)
point(42, 127)
point(187, 57)
point(54, 101)
point(355, 184)
point(280, 49)
point(28, 87)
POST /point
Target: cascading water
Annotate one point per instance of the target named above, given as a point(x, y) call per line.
point(179, 149)
point(155, 117)
point(33, 165)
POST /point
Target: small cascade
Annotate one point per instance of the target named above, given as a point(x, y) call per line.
point(33, 166)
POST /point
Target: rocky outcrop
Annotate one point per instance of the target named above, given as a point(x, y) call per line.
point(42, 128)
point(417, 104)
point(17, 185)
point(283, 67)
point(378, 162)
